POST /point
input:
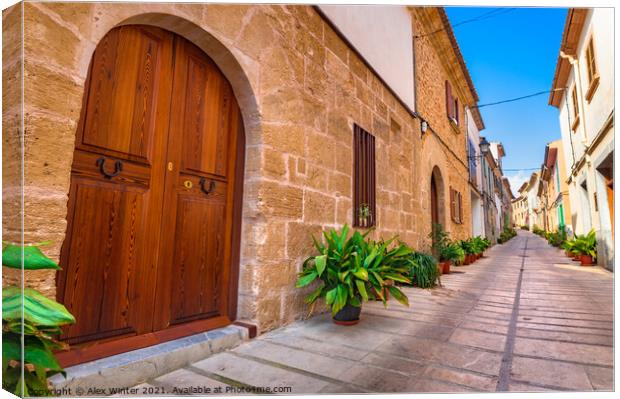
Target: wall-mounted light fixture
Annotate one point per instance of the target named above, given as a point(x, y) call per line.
point(423, 126)
point(485, 147)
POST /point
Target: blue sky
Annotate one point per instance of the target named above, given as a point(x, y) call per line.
point(512, 54)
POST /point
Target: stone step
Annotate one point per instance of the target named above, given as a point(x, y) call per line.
point(99, 377)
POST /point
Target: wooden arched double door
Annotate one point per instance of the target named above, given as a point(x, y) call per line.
point(154, 192)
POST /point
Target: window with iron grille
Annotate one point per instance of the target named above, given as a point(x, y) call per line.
point(364, 204)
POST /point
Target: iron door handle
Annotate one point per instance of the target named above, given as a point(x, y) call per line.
point(118, 167)
point(202, 186)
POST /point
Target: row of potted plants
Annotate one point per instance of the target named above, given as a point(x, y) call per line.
point(580, 248)
point(474, 249)
point(452, 252)
point(506, 234)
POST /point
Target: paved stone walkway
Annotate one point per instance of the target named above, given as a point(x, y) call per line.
point(524, 318)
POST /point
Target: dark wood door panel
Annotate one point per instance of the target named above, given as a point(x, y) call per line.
point(121, 103)
point(105, 258)
point(208, 99)
point(198, 258)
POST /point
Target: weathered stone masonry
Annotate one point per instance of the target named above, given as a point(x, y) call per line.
point(300, 88)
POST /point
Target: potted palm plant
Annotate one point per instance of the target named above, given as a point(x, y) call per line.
point(585, 248)
point(352, 270)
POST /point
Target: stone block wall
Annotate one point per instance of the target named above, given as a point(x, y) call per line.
point(300, 89)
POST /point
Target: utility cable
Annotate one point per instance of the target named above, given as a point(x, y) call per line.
point(517, 98)
point(481, 17)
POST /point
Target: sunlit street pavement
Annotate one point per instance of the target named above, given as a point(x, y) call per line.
point(524, 318)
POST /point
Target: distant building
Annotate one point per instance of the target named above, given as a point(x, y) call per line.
point(584, 94)
point(553, 190)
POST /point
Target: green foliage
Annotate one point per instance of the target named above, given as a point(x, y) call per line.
point(41, 322)
point(475, 245)
point(525, 227)
point(585, 244)
point(423, 272)
point(34, 259)
point(557, 237)
point(352, 269)
point(452, 252)
point(506, 234)
point(439, 238)
point(538, 231)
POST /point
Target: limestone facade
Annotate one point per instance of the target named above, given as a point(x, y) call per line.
point(300, 88)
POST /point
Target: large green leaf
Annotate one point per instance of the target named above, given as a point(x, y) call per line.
point(34, 259)
point(306, 279)
point(361, 288)
point(398, 294)
point(361, 273)
point(320, 262)
point(314, 295)
point(330, 296)
point(341, 298)
point(38, 309)
point(35, 352)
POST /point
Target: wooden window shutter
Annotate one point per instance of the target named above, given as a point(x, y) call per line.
point(449, 100)
point(456, 110)
point(575, 103)
point(452, 204)
point(591, 61)
point(460, 208)
point(364, 200)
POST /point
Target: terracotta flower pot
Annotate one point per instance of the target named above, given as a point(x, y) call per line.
point(445, 267)
point(586, 260)
point(467, 260)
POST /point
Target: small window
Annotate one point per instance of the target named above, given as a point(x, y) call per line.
point(591, 61)
point(364, 208)
point(593, 77)
point(452, 104)
point(456, 206)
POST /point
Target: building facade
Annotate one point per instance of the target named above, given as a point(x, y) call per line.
point(135, 174)
point(553, 190)
point(475, 172)
point(583, 92)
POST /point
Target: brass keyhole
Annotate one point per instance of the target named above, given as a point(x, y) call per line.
point(188, 184)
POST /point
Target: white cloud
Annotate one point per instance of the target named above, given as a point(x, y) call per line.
point(516, 180)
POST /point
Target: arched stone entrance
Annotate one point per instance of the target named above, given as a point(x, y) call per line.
point(225, 310)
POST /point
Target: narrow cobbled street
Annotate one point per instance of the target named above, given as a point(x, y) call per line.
point(524, 318)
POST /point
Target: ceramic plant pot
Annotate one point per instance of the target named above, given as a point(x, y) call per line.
point(586, 260)
point(348, 316)
point(467, 260)
point(445, 267)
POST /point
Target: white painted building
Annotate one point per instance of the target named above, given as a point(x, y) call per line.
point(584, 95)
point(475, 172)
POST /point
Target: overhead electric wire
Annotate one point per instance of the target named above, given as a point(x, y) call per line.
point(517, 98)
point(520, 169)
point(489, 14)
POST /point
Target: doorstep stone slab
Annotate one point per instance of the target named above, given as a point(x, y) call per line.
point(135, 367)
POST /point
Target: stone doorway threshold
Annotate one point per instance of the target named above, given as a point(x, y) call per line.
point(135, 367)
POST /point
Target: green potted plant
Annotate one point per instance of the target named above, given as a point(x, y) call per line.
point(568, 247)
point(585, 247)
point(38, 318)
point(423, 271)
point(469, 247)
point(351, 270)
point(450, 254)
